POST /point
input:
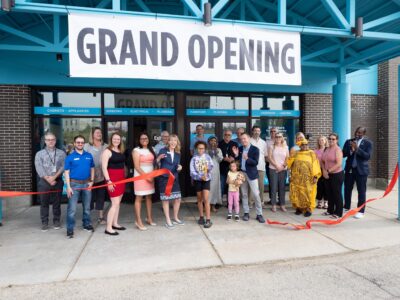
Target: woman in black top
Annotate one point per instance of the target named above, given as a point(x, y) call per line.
point(113, 164)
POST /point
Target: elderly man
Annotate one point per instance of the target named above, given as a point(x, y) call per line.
point(358, 152)
point(248, 156)
point(163, 143)
point(239, 133)
point(49, 164)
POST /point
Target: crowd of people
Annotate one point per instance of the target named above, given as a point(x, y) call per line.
point(235, 168)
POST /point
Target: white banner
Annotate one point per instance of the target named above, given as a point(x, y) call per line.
point(103, 46)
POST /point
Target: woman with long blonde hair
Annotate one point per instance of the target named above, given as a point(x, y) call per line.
point(278, 155)
point(322, 197)
point(170, 158)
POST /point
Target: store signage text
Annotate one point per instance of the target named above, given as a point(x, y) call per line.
point(144, 47)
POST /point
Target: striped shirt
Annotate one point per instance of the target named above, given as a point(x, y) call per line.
point(49, 161)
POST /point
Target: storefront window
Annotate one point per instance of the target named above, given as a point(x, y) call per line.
point(65, 129)
point(139, 104)
point(275, 106)
point(213, 106)
point(288, 127)
point(67, 103)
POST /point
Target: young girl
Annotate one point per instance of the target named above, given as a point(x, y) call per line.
point(235, 180)
point(201, 166)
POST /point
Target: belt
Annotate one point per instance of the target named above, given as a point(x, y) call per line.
point(80, 181)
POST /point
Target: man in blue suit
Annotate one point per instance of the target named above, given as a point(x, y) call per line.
point(248, 156)
point(358, 152)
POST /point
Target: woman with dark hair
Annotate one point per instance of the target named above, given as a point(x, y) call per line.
point(332, 171)
point(201, 166)
point(113, 166)
point(96, 146)
point(143, 161)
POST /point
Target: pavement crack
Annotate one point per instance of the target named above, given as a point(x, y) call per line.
point(374, 282)
point(205, 234)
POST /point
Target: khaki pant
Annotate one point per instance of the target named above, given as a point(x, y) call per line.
point(261, 176)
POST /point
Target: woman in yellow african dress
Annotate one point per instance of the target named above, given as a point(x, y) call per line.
point(305, 171)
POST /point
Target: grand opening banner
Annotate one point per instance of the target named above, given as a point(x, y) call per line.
point(103, 46)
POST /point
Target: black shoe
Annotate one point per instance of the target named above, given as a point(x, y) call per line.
point(89, 228)
point(229, 217)
point(298, 212)
point(57, 225)
point(201, 221)
point(260, 219)
point(118, 228)
point(246, 217)
point(217, 206)
point(237, 219)
point(111, 233)
point(70, 234)
point(208, 224)
point(307, 214)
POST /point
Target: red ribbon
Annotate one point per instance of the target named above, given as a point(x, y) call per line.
point(347, 215)
point(155, 173)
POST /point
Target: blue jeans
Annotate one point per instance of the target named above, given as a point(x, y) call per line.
point(86, 197)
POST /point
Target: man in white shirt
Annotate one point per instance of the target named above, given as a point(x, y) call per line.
point(258, 142)
point(163, 143)
point(272, 132)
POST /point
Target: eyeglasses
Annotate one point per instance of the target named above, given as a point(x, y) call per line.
point(201, 148)
point(331, 139)
point(79, 143)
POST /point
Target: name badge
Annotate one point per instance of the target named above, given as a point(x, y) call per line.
point(54, 169)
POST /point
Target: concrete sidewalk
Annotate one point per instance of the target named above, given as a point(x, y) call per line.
point(29, 256)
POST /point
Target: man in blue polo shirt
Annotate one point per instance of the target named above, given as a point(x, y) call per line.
point(79, 173)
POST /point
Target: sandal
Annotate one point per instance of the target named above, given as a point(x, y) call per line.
point(101, 221)
point(335, 217)
point(326, 214)
point(273, 208)
point(319, 204)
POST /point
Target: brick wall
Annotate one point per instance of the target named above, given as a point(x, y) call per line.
point(15, 137)
point(387, 118)
point(317, 118)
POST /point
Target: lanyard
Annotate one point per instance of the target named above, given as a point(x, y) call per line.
point(53, 161)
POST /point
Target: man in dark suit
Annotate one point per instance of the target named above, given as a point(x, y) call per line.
point(358, 152)
point(248, 156)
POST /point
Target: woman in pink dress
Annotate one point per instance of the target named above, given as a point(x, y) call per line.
point(143, 159)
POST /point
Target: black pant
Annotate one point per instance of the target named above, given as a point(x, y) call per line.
point(321, 189)
point(334, 192)
point(269, 181)
point(361, 182)
point(98, 197)
point(45, 199)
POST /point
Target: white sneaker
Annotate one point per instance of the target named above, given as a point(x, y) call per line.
point(359, 215)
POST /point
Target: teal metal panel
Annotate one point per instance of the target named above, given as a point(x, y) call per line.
point(341, 107)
